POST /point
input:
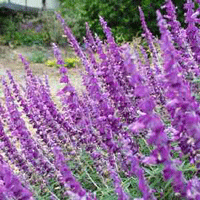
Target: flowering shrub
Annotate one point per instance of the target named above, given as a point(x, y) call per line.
point(133, 133)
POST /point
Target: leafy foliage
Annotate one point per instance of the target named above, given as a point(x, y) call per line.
point(23, 29)
point(68, 62)
point(122, 16)
point(73, 14)
point(37, 57)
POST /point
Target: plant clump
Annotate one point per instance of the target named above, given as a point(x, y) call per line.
point(133, 132)
point(68, 62)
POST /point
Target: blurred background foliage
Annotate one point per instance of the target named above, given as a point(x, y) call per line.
point(42, 28)
point(122, 16)
point(18, 28)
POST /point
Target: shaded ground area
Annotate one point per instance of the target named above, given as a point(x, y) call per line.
point(9, 60)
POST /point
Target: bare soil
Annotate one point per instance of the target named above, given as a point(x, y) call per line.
point(9, 60)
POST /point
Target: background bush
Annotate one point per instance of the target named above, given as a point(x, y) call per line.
point(28, 29)
point(122, 16)
point(69, 62)
point(38, 56)
point(73, 12)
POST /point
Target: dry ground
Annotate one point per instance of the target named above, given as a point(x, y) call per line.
point(9, 60)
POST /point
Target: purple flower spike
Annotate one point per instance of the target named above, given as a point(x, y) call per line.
point(12, 186)
point(149, 38)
